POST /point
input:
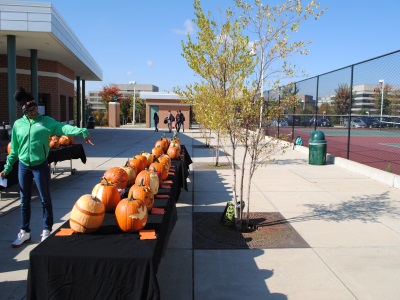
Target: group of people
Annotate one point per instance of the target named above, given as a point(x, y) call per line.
point(179, 120)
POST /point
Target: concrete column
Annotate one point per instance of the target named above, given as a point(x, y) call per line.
point(83, 105)
point(34, 75)
point(78, 102)
point(12, 78)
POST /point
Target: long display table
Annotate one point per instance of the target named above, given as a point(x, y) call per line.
point(70, 152)
point(107, 264)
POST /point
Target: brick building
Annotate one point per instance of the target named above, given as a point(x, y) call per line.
point(39, 52)
point(161, 103)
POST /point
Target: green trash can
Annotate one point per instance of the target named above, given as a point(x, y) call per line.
point(317, 148)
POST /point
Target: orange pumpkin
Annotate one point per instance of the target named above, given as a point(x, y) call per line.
point(174, 152)
point(9, 148)
point(136, 164)
point(162, 168)
point(175, 142)
point(131, 175)
point(116, 176)
point(108, 194)
point(131, 214)
point(142, 191)
point(54, 142)
point(157, 151)
point(143, 159)
point(87, 215)
point(64, 140)
point(149, 178)
point(166, 160)
point(149, 157)
point(163, 143)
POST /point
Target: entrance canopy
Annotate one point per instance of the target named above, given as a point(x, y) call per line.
point(38, 25)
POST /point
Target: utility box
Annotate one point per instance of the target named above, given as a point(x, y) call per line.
point(317, 146)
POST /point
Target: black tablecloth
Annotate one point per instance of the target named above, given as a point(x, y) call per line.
point(107, 264)
point(73, 151)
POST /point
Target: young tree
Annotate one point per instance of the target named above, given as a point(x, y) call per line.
point(229, 98)
point(273, 27)
point(126, 105)
point(140, 110)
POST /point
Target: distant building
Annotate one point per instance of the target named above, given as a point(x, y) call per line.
point(127, 90)
point(363, 98)
point(161, 103)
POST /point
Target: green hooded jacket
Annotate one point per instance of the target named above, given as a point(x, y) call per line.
point(30, 139)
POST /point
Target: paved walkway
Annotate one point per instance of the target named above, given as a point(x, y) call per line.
point(350, 221)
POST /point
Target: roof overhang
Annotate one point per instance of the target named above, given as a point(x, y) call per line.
point(37, 25)
point(159, 96)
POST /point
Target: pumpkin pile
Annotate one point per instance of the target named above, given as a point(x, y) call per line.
point(140, 177)
point(56, 142)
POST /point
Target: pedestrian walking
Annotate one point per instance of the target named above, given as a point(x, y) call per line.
point(156, 120)
point(171, 119)
point(181, 121)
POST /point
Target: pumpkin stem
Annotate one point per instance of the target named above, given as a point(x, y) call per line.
point(141, 182)
point(107, 184)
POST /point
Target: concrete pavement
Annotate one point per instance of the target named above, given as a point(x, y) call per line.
point(350, 221)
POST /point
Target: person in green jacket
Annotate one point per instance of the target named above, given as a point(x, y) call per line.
point(30, 145)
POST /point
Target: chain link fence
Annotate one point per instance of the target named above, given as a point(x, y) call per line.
point(357, 108)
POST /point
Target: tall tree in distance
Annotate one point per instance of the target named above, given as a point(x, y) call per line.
point(108, 93)
point(341, 101)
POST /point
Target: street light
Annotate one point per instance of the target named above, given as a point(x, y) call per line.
point(382, 82)
point(134, 101)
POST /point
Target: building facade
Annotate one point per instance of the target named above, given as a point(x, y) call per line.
point(161, 103)
point(127, 90)
point(39, 52)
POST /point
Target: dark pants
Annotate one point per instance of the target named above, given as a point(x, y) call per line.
point(41, 173)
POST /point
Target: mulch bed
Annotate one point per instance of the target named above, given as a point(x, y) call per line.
point(273, 231)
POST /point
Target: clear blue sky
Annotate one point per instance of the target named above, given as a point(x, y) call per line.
point(140, 41)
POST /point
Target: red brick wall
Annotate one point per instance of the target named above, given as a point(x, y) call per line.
point(53, 86)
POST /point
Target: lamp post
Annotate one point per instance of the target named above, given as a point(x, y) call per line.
point(134, 101)
point(382, 82)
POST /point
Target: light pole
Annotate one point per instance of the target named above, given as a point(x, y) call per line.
point(134, 101)
point(382, 82)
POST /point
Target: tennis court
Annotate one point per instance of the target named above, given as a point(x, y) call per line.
point(378, 148)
